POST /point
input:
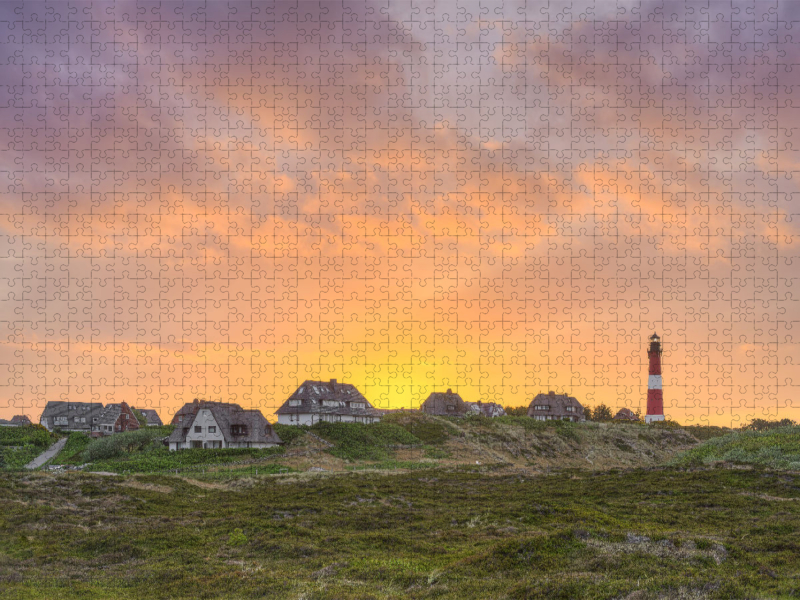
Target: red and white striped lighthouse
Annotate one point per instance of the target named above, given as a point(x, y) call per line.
point(655, 395)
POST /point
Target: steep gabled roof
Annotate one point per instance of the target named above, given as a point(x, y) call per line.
point(626, 414)
point(558, 404)
point(327, 397)
point(150, 414)
point(259, 430)
point(89, 410)
point(439, 403)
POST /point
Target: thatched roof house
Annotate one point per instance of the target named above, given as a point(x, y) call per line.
point(220, 425)
point(552, 406)
point(625, 414)
point(445, 404)
point(316, 401)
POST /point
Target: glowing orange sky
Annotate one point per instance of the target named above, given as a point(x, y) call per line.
point(221, 201)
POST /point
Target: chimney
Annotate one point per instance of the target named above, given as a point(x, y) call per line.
point(449, 391)
point(333, 382)
point(551, 393)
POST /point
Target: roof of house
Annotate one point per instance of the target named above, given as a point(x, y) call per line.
point(487, 409)
point(438, 403)
point(626, 414)
point(55, 409)
point(109, 415)
point(17, 420)
point(151, 415)
point(312, 394)
point(558, 404)
point(259, 429)
point(190, 408)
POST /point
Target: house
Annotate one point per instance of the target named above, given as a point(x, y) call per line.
point(114, 418)
point(316, 401)
point(444, 404)
point(15, 421)
point(486, 409)
point(70, 416)
point(153, 420)
point(188, 410)
point(220, 425)
point(625, 414)
point(552, 406)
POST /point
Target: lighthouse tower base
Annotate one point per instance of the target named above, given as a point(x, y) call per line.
point(652, 418)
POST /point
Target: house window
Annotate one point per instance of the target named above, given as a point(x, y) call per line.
point(197, 444)
point(60, 421)
point(94, 419)
point(357, 405)
point(332, 403)
point(295, 402)
point(450, 407)
point(198, 429)
point(541, 407)
point(212, 429)
point(570, 409)
point(126, 416)
point(238, 430)
point(180, 418)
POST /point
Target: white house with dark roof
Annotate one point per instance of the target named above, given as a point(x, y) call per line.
point(316, 401)
point(219, 425)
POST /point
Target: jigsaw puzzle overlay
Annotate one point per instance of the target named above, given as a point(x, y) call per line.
point(223, 199)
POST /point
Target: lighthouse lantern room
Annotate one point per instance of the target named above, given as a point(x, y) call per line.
point(655, 395)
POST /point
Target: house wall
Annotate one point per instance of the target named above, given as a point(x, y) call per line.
point(311, 418)
point(250, 445)
point(204, 419)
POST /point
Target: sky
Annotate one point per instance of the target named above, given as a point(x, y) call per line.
point(220, 200)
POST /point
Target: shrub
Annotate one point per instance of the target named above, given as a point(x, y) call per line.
point(237, 538)
point(117, 445)
point(355, 441)
point(289, 433)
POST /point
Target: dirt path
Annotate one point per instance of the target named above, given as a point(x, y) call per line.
point(47, 454)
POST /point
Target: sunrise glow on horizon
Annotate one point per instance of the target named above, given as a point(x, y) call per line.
point(222, 200)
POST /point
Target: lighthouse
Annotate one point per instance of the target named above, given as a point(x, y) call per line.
point(655, 396)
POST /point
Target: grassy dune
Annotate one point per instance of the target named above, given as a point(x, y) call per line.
point(455, 534)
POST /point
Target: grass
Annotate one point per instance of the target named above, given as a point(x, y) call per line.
point(445, 534)
point(774, 448)
point(162, 459)
point(71, 452)
point(20, 445)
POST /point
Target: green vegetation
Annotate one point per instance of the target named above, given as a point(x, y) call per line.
point(122, 444)
point(139, 417)
point(289, 433)
point(645, 534)
point(354, 441)
point(20, 445)
point(72, 451)
point(772, 448)
point(161, 459)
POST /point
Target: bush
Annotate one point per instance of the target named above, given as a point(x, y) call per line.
point(117, 445)
point(289, 433)
point(29, 434)
point(355, 441)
